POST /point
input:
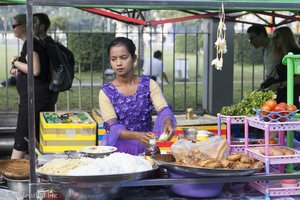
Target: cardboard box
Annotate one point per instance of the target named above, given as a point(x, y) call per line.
point(58, 136)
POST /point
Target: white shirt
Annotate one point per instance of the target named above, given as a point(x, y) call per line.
point(154, 69)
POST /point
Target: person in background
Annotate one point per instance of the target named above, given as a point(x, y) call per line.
point(126, 103)
point(284, 42)
point(258, 37)
point(42, 94)
point(40, 31)
point(154, 67)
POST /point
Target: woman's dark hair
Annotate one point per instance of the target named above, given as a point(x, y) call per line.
point(43, 19)
point(157, 54)
point(128, 43)
point(257, 29)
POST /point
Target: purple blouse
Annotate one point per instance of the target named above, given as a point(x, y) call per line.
point(134, 114)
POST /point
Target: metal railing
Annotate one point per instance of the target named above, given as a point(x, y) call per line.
point(182, 58)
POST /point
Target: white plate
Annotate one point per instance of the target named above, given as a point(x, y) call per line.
point(98, 150)
point(10, 195)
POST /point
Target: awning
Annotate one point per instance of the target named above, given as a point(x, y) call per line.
point(131, 11)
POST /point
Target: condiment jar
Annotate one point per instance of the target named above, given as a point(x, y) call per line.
point(202, 135)
point(152, 149)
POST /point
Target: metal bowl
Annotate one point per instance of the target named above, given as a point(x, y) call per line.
point(48, 157)
point(20, 186)
point(10, 195)
point(98, 178)
point(74, 154)
point(190, 133)
point(168, 161)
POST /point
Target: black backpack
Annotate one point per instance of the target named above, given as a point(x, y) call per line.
point(61, 64)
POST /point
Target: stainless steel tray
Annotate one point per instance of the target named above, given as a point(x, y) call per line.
point(241, 141)
point(168, 161)
point(97, 179)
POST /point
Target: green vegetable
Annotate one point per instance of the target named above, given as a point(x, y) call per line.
point(251, 101)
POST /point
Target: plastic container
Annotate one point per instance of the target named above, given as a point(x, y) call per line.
point(202, 135)
point(270, 116)
point(195, 190)
point(289, 183)
point(59, 137)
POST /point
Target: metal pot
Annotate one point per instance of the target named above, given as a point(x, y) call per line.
point(20, 186)
point(190, 133)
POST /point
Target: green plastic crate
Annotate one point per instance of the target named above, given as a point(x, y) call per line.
point(293, 61)
point(297, 66)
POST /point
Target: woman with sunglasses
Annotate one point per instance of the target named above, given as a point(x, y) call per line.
point(41, 85)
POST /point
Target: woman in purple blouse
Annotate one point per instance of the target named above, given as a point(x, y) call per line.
point(126, 103)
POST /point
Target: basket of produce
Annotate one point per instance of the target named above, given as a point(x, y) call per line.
point(273, 112)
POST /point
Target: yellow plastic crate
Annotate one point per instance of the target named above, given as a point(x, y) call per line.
point(58, 137)
point(98, 118)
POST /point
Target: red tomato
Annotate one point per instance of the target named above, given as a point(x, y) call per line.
point(271, 103)
point(266, 119)
point(282, 119)
point(265, 108)
point(274, 116)
point(273, 141)
point(282, 104)
point(278, 108)
point(291, 108)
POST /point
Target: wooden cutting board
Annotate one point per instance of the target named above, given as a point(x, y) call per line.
point(17, 169)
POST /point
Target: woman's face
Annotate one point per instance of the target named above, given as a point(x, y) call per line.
point(121, 60)
point(18, 29)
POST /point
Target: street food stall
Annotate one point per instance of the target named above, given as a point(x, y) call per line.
point(61, 177)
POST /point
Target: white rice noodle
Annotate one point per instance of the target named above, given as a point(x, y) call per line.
point(116, 163)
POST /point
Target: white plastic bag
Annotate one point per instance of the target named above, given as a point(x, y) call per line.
point(187, 152)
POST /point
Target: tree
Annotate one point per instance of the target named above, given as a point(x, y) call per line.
point(92, 51)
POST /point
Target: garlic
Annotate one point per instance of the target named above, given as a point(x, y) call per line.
point(220, 43)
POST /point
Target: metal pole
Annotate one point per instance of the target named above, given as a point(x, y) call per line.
point(31, 100)
point(79, 65)
point(91, 65)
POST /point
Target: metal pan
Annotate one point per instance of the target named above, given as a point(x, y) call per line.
point(241, 141)
point(168, 161)
point(97, 179)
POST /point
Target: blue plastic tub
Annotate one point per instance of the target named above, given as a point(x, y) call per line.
point(195, 190)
